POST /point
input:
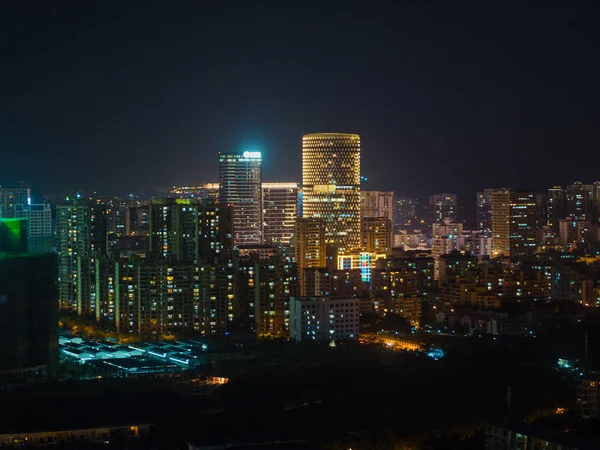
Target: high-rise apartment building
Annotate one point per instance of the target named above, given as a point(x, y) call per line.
point(11, 197)
point(406, 211)
point(137, 220)
point(376, 235)
point(280, 211)
point(73, 245)
point(39, 225)
point(579, 201)
point(174, 230)
point(555, 208)
point(443, 206)
point(484, 210)
point(513, 223)
point(331, 185)
point(377, 204)
point(446, 238)
point(309, 247)
point(574, 232)
point(240, 187)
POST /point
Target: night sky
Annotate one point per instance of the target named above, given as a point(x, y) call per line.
point(447, 96)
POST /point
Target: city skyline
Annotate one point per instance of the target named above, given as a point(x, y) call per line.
point(183, 99)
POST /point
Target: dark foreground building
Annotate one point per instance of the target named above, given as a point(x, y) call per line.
point(28, 307)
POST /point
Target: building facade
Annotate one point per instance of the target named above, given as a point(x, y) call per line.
point(39, 225)
point(377, 204)
point(323, 319)
point(513, 223)
point(484, 211)
point(376, 235)
point(331, 185)
point(446, 238)
point(443, 206)
point(73, 245)
point(240, 188)
point(11, 197)
point(280, 211)
point(310, 251)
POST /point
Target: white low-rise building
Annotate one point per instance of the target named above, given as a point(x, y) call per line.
point(323, 319)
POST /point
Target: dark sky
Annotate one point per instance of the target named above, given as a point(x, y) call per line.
point(447, 96)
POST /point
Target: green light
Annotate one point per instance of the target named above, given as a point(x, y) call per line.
point(13, 235)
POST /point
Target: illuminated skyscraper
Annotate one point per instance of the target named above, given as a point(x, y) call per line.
point(377, 204)
point(280, 211)
point(443, 206)
point(513, 223)
point(240, 187)
point(331, 185)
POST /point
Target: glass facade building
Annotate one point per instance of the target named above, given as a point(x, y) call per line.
point(331, 185)
point(240, 188)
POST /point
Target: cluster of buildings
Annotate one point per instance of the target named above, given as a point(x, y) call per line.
point(242, 255)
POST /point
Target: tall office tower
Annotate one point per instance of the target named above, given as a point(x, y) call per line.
point(446, 238)
point(406, 211)
point(513, 223)
point(331, 186)
point(309, 247)
point(73, 244)
point(240, 187)
point(376, 235)
point(39, 224)
point(28, 306)
point(13, 196)
point(280, 211)
point(377, 204)
point(443, 206)
point(174, 230)
point(579, 201)
point(555, 207)
point(484, 211)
